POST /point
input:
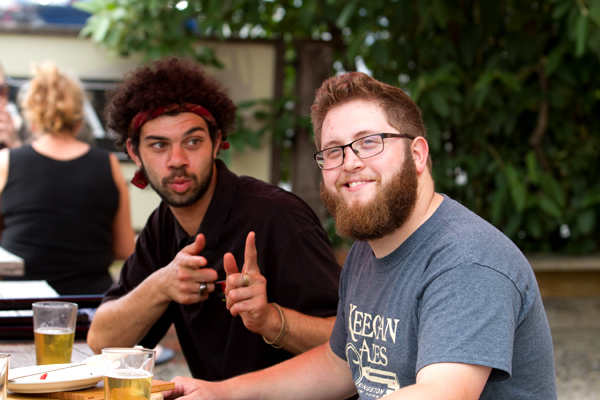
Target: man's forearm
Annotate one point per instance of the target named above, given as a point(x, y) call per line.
point(316, 374)
point(125, 321)
point(304, 332)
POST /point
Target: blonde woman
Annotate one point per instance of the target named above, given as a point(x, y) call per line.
point(64, 205)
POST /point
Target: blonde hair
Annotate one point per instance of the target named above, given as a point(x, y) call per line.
point(53, 103)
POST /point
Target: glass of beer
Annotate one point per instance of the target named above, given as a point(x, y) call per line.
point(128, 373)
point(54, 331)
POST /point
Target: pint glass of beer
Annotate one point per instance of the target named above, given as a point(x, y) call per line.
point(54, 331)
point(128, 373)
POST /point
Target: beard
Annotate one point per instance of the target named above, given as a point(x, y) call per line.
point(389, 210)
point(198, 188)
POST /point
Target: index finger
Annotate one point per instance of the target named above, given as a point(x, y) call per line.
point(250, 256)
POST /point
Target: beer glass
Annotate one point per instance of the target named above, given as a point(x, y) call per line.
point(128, 373)
point(54, 331)
point(4, 361)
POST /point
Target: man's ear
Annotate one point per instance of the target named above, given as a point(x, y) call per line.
point(420, 153)
point(217, 143)
point(133, 153)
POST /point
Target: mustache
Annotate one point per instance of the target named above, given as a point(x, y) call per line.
point(178, 173)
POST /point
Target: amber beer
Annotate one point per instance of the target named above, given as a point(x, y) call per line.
point(53, 345)
point(128, 373)
point(124, 384)
point(54, 325)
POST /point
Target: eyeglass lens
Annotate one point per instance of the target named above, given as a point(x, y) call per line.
point(364, 147)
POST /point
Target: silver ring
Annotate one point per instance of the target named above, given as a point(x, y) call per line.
point(246, 281)
point(203, 289)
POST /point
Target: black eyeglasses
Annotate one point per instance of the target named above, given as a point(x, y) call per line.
point(364, 147)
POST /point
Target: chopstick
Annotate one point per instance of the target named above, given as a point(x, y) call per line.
point(45, 372)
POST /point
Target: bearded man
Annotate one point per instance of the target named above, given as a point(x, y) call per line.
point(174, 120)
point(435, 303)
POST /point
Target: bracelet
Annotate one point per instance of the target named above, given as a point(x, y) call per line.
point(284, 331)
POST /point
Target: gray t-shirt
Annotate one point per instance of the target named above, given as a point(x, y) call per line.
point(457, 290)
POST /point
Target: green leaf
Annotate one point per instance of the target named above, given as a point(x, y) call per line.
point(562, 9)
point(586, 221)
point(102, 27)
point(595, 13)
point(498, 201)
point(484, 81)
point(510, 80)
point(513, 225)
point(517, 188)
point(533, 226)
point(380, 52)
point(86, 6)
point(553, 189)
point(549, 207)
point(438, 103)
point(580, 33)
point(347, 12)
point(590, 199)
point(531, 163)
point(481, 97)
point(553, 60)
point(440, 12)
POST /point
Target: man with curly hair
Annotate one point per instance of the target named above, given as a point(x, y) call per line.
point(174, 119)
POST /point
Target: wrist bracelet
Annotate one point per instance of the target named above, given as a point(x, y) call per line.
point(282, 332)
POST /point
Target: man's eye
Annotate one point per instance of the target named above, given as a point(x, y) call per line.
point(194, 142)
point(370, 142)
point(158, 145)
point(333, 153)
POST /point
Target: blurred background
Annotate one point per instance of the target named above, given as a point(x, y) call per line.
point(510, 94)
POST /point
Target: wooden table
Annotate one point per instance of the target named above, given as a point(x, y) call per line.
point(22, 353)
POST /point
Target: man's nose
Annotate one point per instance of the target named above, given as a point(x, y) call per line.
point(351, 160)
point(178, 157)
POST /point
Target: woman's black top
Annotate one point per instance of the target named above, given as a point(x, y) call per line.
point(58, 216)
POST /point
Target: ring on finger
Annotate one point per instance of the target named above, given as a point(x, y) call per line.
point(246, 281)
point(203, 289)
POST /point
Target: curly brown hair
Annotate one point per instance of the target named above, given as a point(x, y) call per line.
point(166, 81)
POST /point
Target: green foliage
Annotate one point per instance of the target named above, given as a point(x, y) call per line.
point(509, 90)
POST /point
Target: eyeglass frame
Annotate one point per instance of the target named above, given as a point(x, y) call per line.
point(343, 147)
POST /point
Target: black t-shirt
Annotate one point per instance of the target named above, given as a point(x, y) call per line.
point(294, 255)
point(58, 216)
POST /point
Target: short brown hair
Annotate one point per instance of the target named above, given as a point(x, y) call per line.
point(401, 111)
point(53, 102)
point(167, 81)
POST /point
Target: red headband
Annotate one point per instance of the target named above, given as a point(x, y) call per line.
point(139, 179)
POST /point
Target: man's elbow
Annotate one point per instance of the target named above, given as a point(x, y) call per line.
point(98, 334)
point(93, 340)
